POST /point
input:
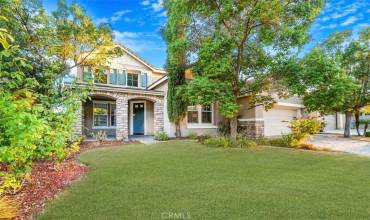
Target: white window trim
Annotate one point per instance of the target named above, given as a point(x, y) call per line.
point(200, 124)
point(102, 127)
point(132, 116)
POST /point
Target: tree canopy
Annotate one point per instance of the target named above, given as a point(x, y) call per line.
point(37, 111)
point(231, 45)
point(333, 76)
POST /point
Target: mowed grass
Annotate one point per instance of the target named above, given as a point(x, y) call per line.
point(199, 182)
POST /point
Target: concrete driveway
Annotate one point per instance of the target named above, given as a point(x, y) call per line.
point(338, 143)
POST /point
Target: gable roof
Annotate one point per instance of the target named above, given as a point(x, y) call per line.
point(158, 82)
point(141, 60)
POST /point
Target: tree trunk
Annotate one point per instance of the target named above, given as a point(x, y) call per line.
point(347, 126)
point(357, 117)
point(365, 129)
point(178, 129)
point(233, 127)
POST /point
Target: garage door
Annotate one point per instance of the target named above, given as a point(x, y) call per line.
point(330, 121)
point(277, 121)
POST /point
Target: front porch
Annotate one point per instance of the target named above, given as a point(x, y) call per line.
point(116, 116)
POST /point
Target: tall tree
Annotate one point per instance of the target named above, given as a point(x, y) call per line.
point(232, 44)
point(333, 77)
point(175, 36)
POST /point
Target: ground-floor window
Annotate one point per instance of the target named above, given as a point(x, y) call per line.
point(200, 114)
point(104, 114)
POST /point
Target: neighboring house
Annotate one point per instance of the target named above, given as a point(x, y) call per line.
point(337, 121)
point(130, 99)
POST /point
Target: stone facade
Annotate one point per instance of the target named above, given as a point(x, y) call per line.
point(158, 117)
point(251, 128)
point(122, 114)
point(78, 126)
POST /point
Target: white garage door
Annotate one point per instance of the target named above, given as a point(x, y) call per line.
point(330, 122)
point(277, 121)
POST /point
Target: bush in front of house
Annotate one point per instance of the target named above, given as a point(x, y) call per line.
point(366, 123)
point(161, 136)
point(303, 128)
point(283, 141)
point(227, 142)
point(100, 136)
point(193, 135)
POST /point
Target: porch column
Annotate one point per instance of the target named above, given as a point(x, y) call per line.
point(77, 127)
point(122, 118)
point(158, 116)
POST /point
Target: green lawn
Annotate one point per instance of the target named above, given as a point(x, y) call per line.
point(150, 181)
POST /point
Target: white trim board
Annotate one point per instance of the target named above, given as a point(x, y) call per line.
point(289, 105)
point(132, 117)
point(251, 119)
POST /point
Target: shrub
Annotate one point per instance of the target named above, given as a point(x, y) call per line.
point(202, 138)
point(161, 136)
point(100, 135)
point(366, 123)
point(283, 141)
point(193, 135)
point(227, 142)
point(367, 134)
point(302, 129)
point(223, 128)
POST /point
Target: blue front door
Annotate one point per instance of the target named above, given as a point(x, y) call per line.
point(138, 123)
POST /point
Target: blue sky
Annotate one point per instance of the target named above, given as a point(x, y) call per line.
point(137, 23)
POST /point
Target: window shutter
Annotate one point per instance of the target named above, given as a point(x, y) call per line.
point(122, 78)
point(144, 80)
point(113, 77)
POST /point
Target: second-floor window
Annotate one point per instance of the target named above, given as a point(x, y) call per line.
point(132, 80)
point(87, 73)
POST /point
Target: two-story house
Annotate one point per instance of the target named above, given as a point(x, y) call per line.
point(130, 99)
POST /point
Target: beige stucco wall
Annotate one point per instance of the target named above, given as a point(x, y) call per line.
point(246, 112)
point(149, 114)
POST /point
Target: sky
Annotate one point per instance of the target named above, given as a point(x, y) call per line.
point(137, 23)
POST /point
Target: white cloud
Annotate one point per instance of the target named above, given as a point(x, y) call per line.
point(102, 20)
point(349, 21)
point(138, 41)
point(364, 25)
point(325, 18)
point(125, 34)
point(162, 14)
point(330, 26)
point(343, 11)
point(157, 6)
point(118, 15)
point(145, 3)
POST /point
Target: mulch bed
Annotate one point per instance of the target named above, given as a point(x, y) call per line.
point(47, 180)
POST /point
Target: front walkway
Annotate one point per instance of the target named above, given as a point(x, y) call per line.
point(145, 139)
point(338, 143)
